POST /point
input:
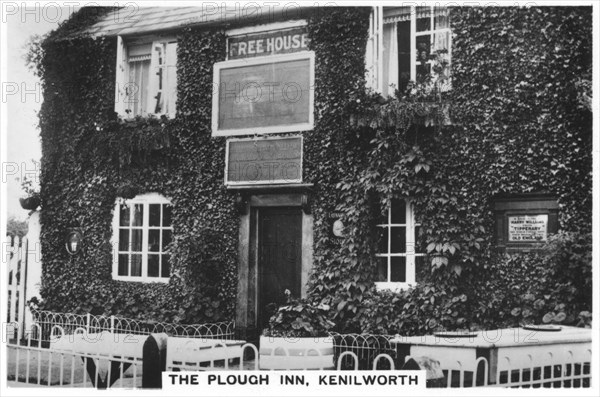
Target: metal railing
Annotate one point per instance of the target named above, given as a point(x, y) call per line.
point(73, 359)
point(34, 365)
point(69, 322)
point(365, 348)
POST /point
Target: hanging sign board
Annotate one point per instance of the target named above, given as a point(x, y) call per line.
point(264, 161)
point(263, 95)
point(273, 42)
point(528, 228)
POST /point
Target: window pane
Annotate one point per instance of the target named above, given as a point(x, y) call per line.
point(139, 51)
point(423, 24)
point(423, 48)
point(398, 240)
point(166, 239)
point(382, 243)
point(154, 215)
point(421, 269)
point(403, 54)
point(382, 269)
point(123, 264)
point(137, 86)
point(153, 265)
point(419, 248)
point(136, 265)
point(166, 266)
point(124, 215)
point(154, 240)
point(441, 19)
point(167, 215)
point(123, 239)
point(398, 269)
point(136, 240)
point(423, 71)
point(138, 215)
point(441, 41)
point(398, 211)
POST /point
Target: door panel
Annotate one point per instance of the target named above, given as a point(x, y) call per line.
point(279, 258)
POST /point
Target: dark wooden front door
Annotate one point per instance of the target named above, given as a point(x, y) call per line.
point(279, 258)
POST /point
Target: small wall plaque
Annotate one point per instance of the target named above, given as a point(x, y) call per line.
point(528, 228)
point(524, 221)
point(338, 228)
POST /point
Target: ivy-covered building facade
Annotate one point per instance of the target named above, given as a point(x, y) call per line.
point(415, 169)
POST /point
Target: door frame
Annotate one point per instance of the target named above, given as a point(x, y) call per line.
point(247, 291)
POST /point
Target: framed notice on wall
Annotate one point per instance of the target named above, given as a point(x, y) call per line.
point(528, 228)
point(524, 221)
point(263, 95)
point(263, 161)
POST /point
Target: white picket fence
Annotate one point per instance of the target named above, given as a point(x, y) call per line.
point(22, 261)
point(16, 255)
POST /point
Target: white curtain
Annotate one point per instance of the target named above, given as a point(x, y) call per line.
point(390, 59)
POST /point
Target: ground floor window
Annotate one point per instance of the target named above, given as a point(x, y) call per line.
point(142, 231)
point(397, 255)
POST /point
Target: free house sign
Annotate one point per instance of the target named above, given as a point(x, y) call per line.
point(266, 84)
point(264, 161)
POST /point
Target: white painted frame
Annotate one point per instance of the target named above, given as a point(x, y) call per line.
point(432, 32)
point(410, 254)
point(375, 45)
point(122, 74)
point(146, 200)
point(310, 55)
point(274, 182)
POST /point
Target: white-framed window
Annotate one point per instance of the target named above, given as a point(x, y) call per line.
point(142, 230)
point(146, 77)
point(397, 256)
point(402, 45)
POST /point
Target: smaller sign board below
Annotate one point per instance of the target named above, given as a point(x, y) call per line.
point(528, 228)
point(264, 161)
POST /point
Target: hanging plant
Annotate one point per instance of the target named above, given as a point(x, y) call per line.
point(30, 203)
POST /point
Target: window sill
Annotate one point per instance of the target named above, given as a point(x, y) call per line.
point(393, 286)
point(132, 119)
point(143, 280)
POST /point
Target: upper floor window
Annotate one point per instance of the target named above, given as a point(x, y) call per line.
point(397, 256)
point(142, 231)
point(146, 77)
point(407, 44)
